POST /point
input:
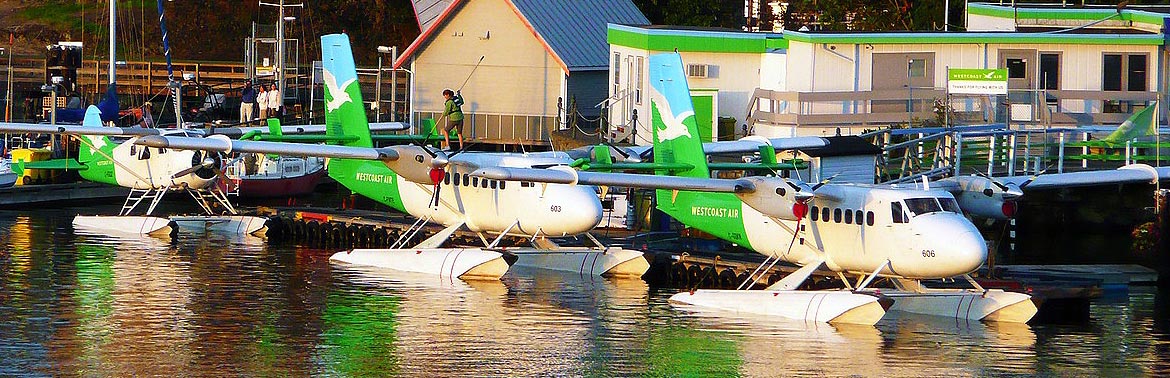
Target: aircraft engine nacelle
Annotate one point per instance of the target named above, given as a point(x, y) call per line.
point(416, 164)
point(980, 197)
point(778, 197)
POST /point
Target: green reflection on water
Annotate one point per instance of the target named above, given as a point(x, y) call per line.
point(360, 333)
point(95, 296)
point(685, 352)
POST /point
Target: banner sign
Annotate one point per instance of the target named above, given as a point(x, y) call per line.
point(977, 81)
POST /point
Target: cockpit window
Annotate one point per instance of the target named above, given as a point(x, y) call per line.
point(949, 204)
point(919, 206)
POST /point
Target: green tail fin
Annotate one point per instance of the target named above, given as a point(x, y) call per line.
point(86, 152)
point(345, 113)
point(672, 116)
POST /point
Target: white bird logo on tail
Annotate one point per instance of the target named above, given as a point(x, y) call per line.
point(673, 126)
point(340, 96)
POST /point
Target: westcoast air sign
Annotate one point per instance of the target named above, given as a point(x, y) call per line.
point(977, 81)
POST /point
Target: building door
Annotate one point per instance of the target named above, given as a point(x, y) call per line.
point(704, 104)
point(902, 72)
point(1021, 69)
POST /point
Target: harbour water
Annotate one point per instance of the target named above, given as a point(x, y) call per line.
point(74, 304)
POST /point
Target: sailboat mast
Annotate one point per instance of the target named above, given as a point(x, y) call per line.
point(113, 37)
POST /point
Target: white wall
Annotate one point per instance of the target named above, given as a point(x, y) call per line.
point(517, 75)
point(978, 23)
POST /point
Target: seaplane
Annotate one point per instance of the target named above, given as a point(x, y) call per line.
point(149, 173)
point(436, 187)
point(905, 234)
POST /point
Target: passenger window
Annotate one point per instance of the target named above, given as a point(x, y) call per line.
point(493, 184)
point(869, 218)
point(483, 183)
point(446, 178)
point(133, 150)
point(824, 214)
point(466, 180)
point(836, 215)
point(848, 216)
point(475, 181)
point(896, 212)
point(814, 213)
point(502, 184)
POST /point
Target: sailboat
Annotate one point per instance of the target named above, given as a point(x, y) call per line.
point(109, 104)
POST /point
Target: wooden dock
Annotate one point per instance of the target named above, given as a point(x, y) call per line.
point(25, 195)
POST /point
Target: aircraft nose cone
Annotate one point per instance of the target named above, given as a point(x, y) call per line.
point(582, 214)
point(951, 246)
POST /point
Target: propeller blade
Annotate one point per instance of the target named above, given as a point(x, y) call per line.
point(995, 182)
point(825, 181)
point(207, 163)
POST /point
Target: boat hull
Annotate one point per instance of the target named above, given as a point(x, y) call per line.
point(280, 187)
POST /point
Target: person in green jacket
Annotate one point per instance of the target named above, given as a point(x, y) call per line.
point(454, 115)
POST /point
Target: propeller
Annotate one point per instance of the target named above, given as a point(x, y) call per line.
point(825, 181)
point(203, 164)
point(1010, 191)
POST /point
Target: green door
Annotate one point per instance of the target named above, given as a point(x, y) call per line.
point(704, 115)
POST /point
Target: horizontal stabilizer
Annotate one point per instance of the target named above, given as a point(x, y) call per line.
point(236, 132)
point(58, 164)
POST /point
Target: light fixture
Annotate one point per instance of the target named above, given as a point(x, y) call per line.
point(57, 79)
point(385, 49)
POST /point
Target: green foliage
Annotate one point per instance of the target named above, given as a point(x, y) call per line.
point(703, 13)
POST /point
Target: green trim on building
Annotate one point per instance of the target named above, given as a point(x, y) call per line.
point(991, 10)
point(694, 41)
point(976, 38)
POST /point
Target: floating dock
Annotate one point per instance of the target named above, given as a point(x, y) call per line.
point(78, 191)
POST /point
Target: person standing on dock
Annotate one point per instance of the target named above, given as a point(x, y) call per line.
point(275, 102)
point(262, 101)
point(247, 102)
point(454, 115)
point(147, 120)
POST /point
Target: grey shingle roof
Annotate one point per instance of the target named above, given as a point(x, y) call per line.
point(427, 11)
point(576, 29)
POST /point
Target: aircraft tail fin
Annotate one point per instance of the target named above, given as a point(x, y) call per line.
point(86, 150)
point(345, 113)
point(672, 117)
point(274, 128)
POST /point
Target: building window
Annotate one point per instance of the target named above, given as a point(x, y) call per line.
point(1017, 68)
point(1111, 73)
point(916, 68)
point(1124, 72)
point(1049, 71)
point(1136, 73)
point(617, 72)
point(638, 83)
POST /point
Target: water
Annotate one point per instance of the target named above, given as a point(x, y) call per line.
point(211, 305)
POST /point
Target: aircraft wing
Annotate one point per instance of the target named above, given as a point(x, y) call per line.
point(75, 130)
point(566, 175)
point(746, 145)
point(224, 144)
point(1136, 173)
point(752, 144)
point(236, 132)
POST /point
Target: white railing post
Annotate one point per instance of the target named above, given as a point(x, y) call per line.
point(991, 154)
point(1060, 155)
point(1012, 154)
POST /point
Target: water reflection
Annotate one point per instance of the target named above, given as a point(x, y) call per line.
point(86, 304)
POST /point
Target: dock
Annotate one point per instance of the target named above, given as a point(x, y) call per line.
point(78, 191)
